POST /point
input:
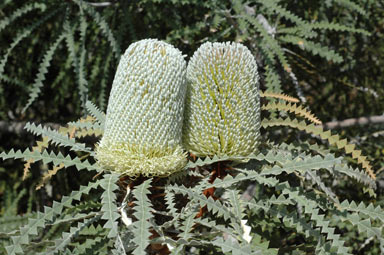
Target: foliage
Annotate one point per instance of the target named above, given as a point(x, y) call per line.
point(77, 35)
point(161, 213)
point(289, 198)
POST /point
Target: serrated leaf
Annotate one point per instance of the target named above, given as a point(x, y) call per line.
point(108, 201)
point(57, 138)
point(316, 130)
point(46, 157)
point(42, 218)
point(214, 206)
point(62, 243)
point(302, 164)
point(143, 214)
point(244, 176)
point(105, 28)
point(24, 33)
point(95, 112)
point(35, 89)
point(20, 12)
point(235, 248)
point(298, 110)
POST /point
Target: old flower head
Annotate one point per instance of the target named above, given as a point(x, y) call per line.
point(222, 106)
point(145, 112)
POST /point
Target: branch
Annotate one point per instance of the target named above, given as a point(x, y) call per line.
point(103, 4)
point(354, 122)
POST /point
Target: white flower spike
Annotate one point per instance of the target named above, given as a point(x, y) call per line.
point(144, 117)
point(223, 103)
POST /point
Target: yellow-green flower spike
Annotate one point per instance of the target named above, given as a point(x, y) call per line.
point(223, 103)
point(144, 117)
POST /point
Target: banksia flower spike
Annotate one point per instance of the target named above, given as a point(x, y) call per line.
point(222, 106)
point(144, 117)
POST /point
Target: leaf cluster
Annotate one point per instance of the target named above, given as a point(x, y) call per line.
point(264, 203)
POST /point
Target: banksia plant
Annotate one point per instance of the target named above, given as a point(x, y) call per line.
point(214, 208)
point(145, 112)
point(222, 106)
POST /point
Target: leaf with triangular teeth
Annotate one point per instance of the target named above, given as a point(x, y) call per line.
point(345, 203)
point(77, 195)
point(370, 210)
point(95, 112)
point(33, 230)
point(57, 138)
point(342, 143)
point(15, 249)
point(298, 110)
point(326, 134)
point(41, 219)
point(141, 227)
point(333, 139)
point(356, 154)
point(21, 239)
point(361, 159)
point(349, 148)
point(108, 200)
point(364, 225)
point(57, 207)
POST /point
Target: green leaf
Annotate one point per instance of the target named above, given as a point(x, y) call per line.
point(302, 164)
point(43, 69)
point(57, 138)
point(31, 229)
point(237, 208)
point(83, 83)
point(310, 202)
point(214, 206)
point(187, 226)
point(365, 226)
point(95, 112)
point(244, 176)
point(108, 200)
point(20, 12)
point(314, 48)
point(351, 5)
point(375, 213)
point(272, 47)
point(77, 61)
point(274, 7)
point(318, 130)
point(100, 21)
point(232, 246)
point(62, 243)
point(21, 35)
point(46, 157)
point(143, 214)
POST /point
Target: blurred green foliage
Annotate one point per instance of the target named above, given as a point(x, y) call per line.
point(328, 86)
